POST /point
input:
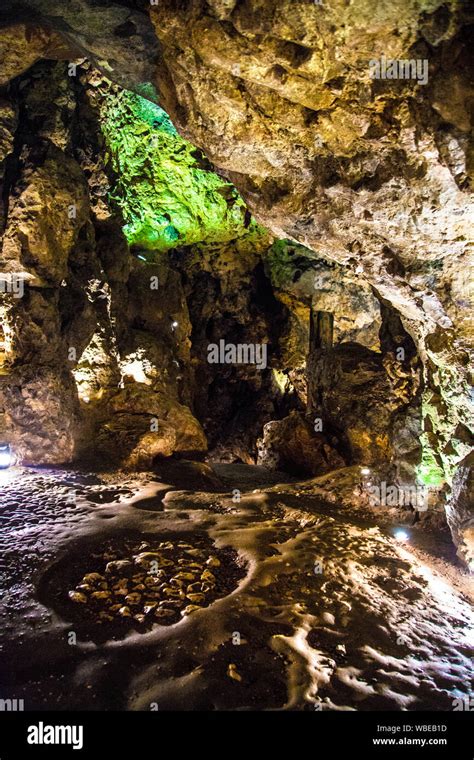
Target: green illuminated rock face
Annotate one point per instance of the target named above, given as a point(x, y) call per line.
point(165, 188)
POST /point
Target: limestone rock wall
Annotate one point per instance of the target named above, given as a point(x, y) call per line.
point(370, 173)
point(94, 358)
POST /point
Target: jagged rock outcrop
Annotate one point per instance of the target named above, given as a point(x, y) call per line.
point(95, 348)
point(460, 510)
point(292, 445)
point(370, 173)
point(302, 279)
point(355, 396)
point(118, 40)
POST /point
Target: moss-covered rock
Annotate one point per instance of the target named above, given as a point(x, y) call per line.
point(166, 189)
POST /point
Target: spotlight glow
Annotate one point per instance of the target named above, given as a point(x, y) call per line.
point(6, 456)
point(137, 367)
point(365, 471)
point(401, 535)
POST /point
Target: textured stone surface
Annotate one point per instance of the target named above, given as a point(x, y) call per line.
point(41, 414)
point(46, 217)
point(21, 45)
point(355, 397)
point(370, 175)
point(118, 40)
point(291, 445)
point(8, 123)
point(90, 354)
point(461, 511)
point(165, 188)
point(302, 278)
point(373, 174)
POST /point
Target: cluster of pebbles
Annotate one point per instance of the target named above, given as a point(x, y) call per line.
point(151, 585)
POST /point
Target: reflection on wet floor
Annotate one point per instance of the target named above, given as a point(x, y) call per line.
point(320, 607)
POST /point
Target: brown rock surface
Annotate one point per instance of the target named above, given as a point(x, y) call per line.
point(354, 395)
point(88, 354)
point(460, 511)
point(371, 175)
point(291, 445)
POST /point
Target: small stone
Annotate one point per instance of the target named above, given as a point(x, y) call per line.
point(149, 606)
point(77, 597)
point(213, 562)
point(194, 588)
point(185, 576)
point(101, 595)
point(152, 580)
point(232, 672)
point(208, 576)
point(196, 598)
point(190, 609)
point(146, 558)
point(133, 599)
point(122, 566)
point(122, 583)
point(206, 587)
point(85, 588)
point(170, 591)
point(139, 617)
point(173, 604)
point(163, 613)
point(125, 611)
point(93, 578)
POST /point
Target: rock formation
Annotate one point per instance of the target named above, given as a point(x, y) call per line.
point(302, 184)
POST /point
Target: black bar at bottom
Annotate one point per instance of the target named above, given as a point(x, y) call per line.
point(222, 734)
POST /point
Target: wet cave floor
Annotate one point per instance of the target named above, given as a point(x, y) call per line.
point(225, 591)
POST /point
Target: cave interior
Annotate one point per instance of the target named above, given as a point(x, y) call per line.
point(235, 341)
